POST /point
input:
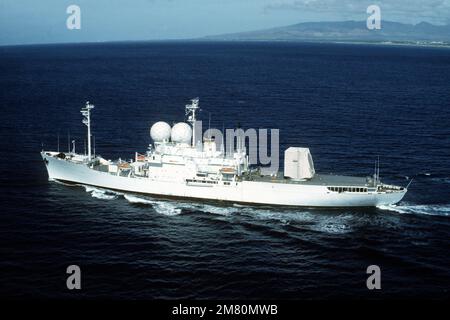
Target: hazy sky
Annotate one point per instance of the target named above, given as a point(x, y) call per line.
point(44, 21)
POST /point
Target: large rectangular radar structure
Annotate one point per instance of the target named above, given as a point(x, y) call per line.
point(298, 163)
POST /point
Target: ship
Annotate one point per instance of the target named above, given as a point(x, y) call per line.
point(177, 166)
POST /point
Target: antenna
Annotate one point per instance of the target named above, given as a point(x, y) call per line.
point(378, 171)
point(94, 145)
point(375, 174)
point(190, 112)
point(230, 151)
point(409, 183)
point(86, 112)
point(222, 147)
point(239, 138)
point(209, 126)
point(73, 146)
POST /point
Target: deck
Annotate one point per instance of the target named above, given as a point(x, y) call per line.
point(318, 180)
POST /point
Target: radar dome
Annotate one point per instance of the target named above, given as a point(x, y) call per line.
point(181, 133)
point(160, 131)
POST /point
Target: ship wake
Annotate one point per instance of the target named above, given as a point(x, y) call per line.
point(426, 209)
point(162, 207)
point(173, 208)
point(101, 193)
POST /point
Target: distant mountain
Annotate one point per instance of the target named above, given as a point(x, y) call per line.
point(346, 31)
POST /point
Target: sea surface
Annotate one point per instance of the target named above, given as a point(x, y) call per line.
point(348, 103)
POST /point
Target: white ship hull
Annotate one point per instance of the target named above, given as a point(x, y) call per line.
point(252, 192)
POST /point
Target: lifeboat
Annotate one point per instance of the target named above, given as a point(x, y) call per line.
point(124, 165)
point(228, 170)
point(140, 157)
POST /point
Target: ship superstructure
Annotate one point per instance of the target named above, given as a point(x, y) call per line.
point(176, 165)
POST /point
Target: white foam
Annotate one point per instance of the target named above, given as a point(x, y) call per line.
point(101, 193)
point(331, 227)
point(162, 207)
point(89, 188)
point(167, 208)
point(285, 216)
point(392, 207)
point(427, 209)
point(224, 211)
point(335, 224)
point(135, 199)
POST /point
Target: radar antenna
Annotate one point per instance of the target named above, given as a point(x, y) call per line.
point(86, 112)
point(190, 113)
point(378, 171)
point(376, 175)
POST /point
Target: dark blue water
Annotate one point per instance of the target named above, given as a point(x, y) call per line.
point(348, 103)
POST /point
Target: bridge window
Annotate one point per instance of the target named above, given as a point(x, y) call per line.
point(347, 189)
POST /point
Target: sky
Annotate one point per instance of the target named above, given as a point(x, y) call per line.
point(44, 21)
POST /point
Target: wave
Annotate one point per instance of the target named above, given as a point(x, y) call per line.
point(427, 209)
point(333, 228)
point(443, 179)
point(282, 216)
point(101, 193)
point(135, 199)
point(163, 207)
point(218, 210)
point(173, 207)
point(316, 222)
point(424, 174)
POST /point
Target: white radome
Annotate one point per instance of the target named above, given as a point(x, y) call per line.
point(160, 131)
point(181, 133)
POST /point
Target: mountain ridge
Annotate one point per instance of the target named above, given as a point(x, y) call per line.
point(349, 30)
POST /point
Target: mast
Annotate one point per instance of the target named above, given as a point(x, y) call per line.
point(209, 126)
point(376, 174)
point(375, 182)
point(190, 112)
point(222, 147)
point(378, 170)
point(86, 112)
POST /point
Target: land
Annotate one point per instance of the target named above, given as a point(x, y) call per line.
point(391, 33)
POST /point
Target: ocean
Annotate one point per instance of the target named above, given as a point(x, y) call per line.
point(350, 104)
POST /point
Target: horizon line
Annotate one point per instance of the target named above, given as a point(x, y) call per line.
point(205, 37)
